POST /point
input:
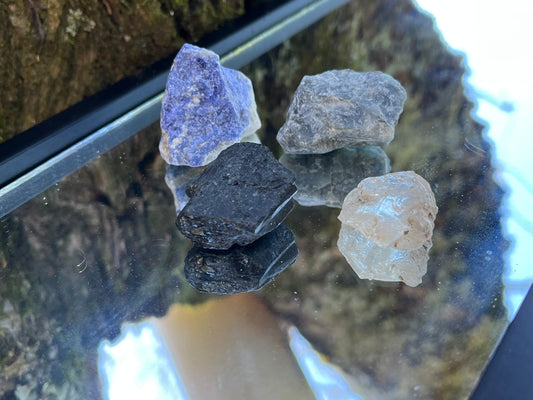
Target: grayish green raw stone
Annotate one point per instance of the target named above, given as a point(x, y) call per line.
point(342, 108)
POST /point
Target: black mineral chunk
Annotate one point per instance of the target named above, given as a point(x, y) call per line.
point(244, 194)
point(241, 268)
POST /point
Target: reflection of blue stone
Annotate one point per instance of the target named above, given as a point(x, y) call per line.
point(206, 108)
point(177, 178)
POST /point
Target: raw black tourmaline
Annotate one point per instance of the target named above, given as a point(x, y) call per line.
point(242, 195)
point(241, 268)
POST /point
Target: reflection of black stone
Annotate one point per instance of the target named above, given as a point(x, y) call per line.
point(241, 268)
point(242, 195)
point(326, 179)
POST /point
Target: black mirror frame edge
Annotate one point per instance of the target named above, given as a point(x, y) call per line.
point(508, 373)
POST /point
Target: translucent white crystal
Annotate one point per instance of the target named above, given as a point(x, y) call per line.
point(395, 210)
point(371, 261)
point(387, 224)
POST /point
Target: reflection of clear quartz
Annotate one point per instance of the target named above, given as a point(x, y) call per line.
point(387, 224)
point(370, 261)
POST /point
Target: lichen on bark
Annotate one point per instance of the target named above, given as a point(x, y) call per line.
point(55, 53)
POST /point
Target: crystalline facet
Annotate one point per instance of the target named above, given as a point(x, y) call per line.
point(387, 224)
point(371, 261)
point(242, 195)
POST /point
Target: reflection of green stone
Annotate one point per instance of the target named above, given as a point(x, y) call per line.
point(326, 179)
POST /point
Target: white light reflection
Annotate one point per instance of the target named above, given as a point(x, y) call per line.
point(137, 366)
point(493, 36)
point(326, 381)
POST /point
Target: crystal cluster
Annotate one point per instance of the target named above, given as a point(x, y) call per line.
point(242, 195)
point(387, 224)
point(342, 108)
point(206, 108)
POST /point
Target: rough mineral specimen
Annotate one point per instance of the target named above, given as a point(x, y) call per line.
point(395, 210)
point(342, 108)
point(387, 224)
point(206, 108)
point(326, 179)
point(178, 177)
point(244, 194)
point(241, 268)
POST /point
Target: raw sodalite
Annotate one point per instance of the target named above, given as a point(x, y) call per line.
point(242, 195)
point(326, 179)
point(342, 108)
point(387, 225)
point(206, 108)
point(241, 268)
point(396, 210)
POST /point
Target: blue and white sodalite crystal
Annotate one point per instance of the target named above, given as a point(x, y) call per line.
point(206, 108)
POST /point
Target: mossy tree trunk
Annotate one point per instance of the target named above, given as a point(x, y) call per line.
point(57, 52)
